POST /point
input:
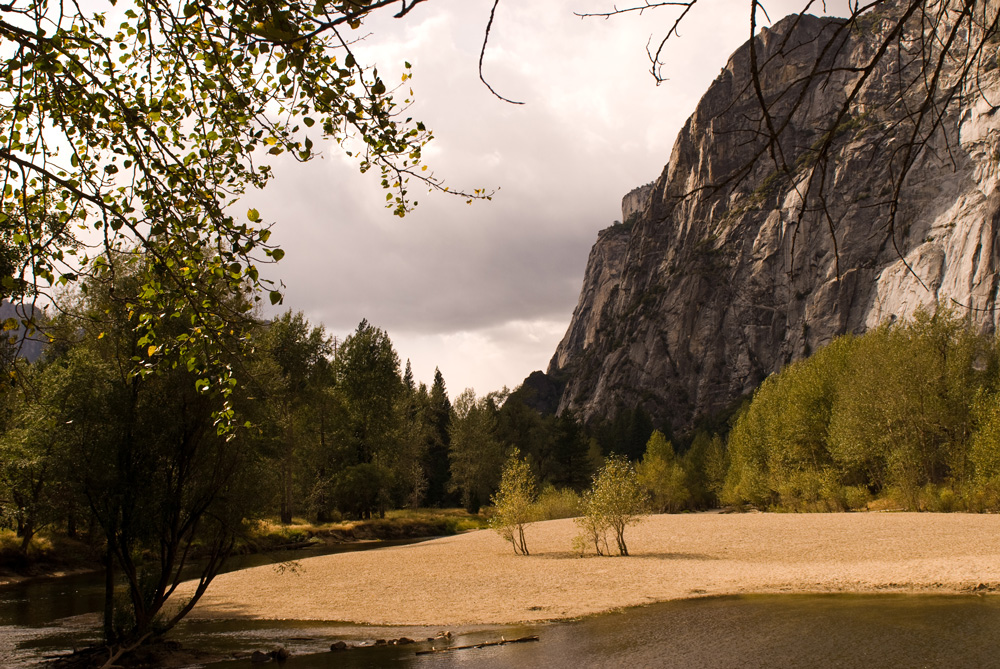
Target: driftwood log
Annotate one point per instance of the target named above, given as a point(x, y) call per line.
point(501, 642)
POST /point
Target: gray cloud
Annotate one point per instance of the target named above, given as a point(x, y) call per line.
point(501, 275)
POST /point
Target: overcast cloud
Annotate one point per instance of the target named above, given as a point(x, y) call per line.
point(486, 291)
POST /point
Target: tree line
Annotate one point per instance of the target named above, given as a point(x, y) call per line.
point(905, 416)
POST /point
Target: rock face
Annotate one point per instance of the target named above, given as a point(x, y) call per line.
point(23, 345)
point(721, 276)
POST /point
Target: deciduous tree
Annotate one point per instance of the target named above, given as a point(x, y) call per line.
point(615, 501)
point(299, 352)
point(475, 452)
point(145, 451)
point(513, 504)
point(662, 475)
point(144, 123)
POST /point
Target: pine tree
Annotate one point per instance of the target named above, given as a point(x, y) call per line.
point(438, 441)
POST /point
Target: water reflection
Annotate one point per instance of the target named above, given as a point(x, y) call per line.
point(863, 632)
point(39, 602)
point(52, 615)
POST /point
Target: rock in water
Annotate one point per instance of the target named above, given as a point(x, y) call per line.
point(719, 276)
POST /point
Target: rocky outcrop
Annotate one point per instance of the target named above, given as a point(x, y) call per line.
point(634, 204)
point(742, 257)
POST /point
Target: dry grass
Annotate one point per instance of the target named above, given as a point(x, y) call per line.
point(10, 550)
point(476, 578)
point(269, 534)
point(47, 556)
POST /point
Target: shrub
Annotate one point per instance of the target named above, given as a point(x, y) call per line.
point(939, 498)
point(554, 503)
point(856, 497)
point(616, 501)
point(13, 557)
point(514, 502)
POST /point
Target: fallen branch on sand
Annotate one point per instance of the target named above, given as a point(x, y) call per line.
point(501, 642)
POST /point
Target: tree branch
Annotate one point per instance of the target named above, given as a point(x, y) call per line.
point(482, 53)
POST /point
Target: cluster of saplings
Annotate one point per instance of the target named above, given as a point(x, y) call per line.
point(616, 500)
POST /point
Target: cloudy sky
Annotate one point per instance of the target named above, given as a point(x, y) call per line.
point(485, 291)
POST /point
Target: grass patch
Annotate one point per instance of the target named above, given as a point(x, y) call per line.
point(45, 555)
point(11, 556)
point(269, 535)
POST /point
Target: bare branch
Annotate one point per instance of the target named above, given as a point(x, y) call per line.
point(639, 8)
point(482, 54)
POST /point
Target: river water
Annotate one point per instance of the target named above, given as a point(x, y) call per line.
point(808, 631)
point(46, 618)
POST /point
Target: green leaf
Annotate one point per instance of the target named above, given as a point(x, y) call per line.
point(253, 215)
point(275, 297)
point(277, 254)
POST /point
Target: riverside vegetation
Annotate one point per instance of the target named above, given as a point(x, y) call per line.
point(902, 417)
point(905, 416)
point(140, 473)
point(152, 427)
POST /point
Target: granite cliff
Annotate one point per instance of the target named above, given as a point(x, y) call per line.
point(768, 235)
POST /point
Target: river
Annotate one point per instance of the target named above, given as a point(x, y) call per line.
point(787, 631)
point(48, 617)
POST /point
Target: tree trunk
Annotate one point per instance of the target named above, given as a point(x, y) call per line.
point(109, 596)
point(286, 473)
point(26, 532)
point(524, 544)
point(620, 536)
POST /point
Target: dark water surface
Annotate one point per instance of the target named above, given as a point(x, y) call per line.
point(864, 631)
point(52, 615)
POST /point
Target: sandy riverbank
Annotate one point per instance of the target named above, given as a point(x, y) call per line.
point(476, 578)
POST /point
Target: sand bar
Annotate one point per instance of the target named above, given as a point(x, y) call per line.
point(476, 578)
